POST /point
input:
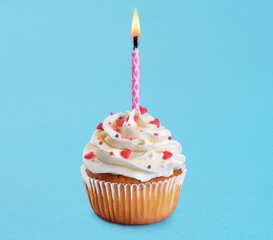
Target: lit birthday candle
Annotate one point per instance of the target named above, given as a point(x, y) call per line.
point(135, 35)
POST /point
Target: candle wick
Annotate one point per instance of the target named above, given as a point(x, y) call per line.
point(135, 42)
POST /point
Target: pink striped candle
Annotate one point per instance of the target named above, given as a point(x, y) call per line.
point(135, 79)
point(135, 34)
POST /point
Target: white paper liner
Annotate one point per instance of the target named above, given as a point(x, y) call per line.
point(133, 203)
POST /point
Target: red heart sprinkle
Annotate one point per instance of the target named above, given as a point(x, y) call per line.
point(119, 122)
point(100, 126)
point(167, 155)
point(111, 153)
point(101, 142)
point(156, 122)
point(143, 110)
point(126, 154)
point(117, 129)
point(89, 155)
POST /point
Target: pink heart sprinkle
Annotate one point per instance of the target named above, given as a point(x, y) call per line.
point(126, 154)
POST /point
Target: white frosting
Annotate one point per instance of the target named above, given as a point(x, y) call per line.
point(147, 148)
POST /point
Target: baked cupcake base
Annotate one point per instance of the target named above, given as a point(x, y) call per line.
point(132, 202)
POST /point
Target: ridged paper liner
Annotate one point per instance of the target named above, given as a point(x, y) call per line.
point(143, 203)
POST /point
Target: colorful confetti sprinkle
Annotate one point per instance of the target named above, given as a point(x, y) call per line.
point(170, 138)
point(112, 113)
point(101, 142)
point(117, 135)
point(111, 153)
point(93, 159)
point(149, 166)
point(156, 134)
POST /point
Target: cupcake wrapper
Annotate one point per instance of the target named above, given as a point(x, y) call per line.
point(133, 203)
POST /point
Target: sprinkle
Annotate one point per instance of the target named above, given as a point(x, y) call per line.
point(141, 130)
point(156, 134)
point(112, 113)
point(89, 155)
point(122, 137)
point(135, 118)
point(117, 129)
point(98, 138)
point(131, 138)
point(111, 153)
point(126, 154)
point(101, 142)
point(170, 138)
point(117, 135)
point(129, 124)
point(120, 118)
point(167, 155)
point(143, 110)
point(100, 126)
point(109, 123)
point(93, 159)
point(119, 122)
point(149, 166)
point(156, 122)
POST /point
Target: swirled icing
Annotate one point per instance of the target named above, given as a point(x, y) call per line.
point(145, 140)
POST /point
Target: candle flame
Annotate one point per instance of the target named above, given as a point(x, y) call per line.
point(135, 31)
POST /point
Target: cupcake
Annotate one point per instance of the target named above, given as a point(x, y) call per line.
point(132, 169)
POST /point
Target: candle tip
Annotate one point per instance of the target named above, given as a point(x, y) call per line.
point(135, 30)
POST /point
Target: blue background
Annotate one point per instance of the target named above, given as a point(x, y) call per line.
point(206, 73)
